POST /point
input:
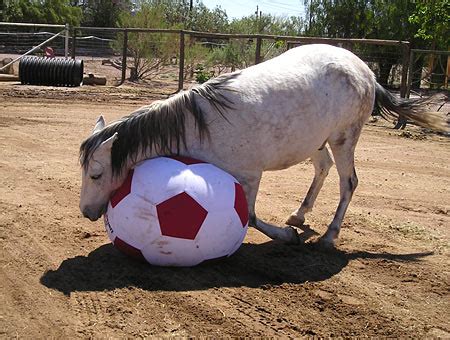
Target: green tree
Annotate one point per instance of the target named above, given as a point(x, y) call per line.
point(433, 20)
point(104, 13)
point(42, 11)
point(178, 14)
point(371, 19)
point(149, 51)
point(380, 19)
point(267, 24)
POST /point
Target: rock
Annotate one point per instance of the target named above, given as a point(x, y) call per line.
point(9, 69)
point(92, 79)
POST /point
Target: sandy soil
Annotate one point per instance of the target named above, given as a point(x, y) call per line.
point(60, 277)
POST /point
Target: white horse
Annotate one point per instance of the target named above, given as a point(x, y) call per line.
point(267, 117)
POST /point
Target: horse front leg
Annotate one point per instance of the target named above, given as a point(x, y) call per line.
point(250, 184)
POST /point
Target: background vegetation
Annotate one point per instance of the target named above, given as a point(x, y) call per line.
point(425, 23)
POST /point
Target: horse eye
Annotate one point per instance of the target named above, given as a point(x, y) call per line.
point(94, 177)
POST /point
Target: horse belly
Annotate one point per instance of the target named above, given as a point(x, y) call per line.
point(261, 145)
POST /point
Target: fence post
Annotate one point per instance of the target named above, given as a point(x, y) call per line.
point(74, 41)
point(66, 41)
point(410, 73)
point(258, 50)
point(405, 64)
point(124, 56)
point(181, 71)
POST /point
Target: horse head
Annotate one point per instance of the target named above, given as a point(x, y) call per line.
point(97, 180)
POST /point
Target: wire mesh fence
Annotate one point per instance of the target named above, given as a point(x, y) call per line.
point(101, 52)
point(177, 58)
point(211, 56)
point(16, 40)
point(429, 70)
point(150, 58)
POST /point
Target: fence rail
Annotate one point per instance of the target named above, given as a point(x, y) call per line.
point(22, 24)
point(436, 73)
point(394, 56)
point(402, 47)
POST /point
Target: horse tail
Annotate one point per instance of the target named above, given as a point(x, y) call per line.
point(414, 110)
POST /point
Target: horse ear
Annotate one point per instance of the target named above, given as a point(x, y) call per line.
point(99, 125)
point(110, 141)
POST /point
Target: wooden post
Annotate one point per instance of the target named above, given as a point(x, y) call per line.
point(258, 50)
point(74, 42)
point(124, 56)
point(401, 123)
point(66, 41)
point(181, 70)
point(405, 64)
point(410, 74)
point(447, 74)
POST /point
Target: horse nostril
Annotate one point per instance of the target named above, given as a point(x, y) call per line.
point(85, 213)
point(93, 216)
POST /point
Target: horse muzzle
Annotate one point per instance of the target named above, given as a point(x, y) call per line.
point(93, 214)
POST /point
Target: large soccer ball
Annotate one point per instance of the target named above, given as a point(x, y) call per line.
point(177, 211)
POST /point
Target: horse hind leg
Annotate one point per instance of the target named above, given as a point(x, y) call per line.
point(284, 234)
point(343, 149)
point(250, 184)
point(322, 163)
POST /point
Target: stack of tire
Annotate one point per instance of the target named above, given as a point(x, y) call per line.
point(51, 71)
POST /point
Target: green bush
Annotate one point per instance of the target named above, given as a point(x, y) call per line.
point(202, 75)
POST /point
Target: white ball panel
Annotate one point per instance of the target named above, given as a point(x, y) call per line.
point(158, 179)
point(219, 234)
point(239, 241)
point(211, 187)
point(171, 251)
point(134, 221)
point(106, 218)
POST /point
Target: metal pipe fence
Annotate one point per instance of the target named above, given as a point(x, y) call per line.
point(220, 52)
point(176, 58)
point(429, 69)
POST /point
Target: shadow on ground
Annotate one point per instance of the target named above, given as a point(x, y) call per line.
point(254, 265)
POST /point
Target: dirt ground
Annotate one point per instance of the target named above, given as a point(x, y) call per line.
point(60, 277)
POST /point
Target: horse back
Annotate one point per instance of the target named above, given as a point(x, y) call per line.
point(286, 108)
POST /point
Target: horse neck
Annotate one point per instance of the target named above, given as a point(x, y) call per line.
point(191, 133)
point(192, 139)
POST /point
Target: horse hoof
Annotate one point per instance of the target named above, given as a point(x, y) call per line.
point(295, 221)
point(326, 243)
point(292, 236)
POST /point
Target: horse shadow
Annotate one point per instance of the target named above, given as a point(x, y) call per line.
point(253, 265)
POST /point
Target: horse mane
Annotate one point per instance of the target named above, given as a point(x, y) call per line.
point(160, 126)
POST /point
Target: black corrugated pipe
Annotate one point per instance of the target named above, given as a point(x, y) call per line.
point(51, 71)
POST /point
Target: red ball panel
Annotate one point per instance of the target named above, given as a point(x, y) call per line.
point(186, 160)
point(240, 204)
point(128, 249)
point(123, 191)
point(181, 216)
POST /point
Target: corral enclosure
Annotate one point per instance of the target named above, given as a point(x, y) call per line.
point(60, 277)
point(180, 57)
